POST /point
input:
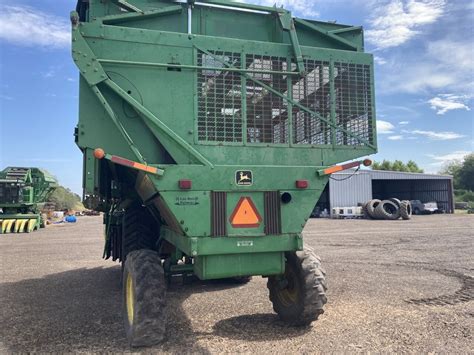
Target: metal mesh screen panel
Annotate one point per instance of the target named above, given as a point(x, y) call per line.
point(353, 102)
point(221, 94)
point(219, 99)
point(312, 91)
point(267, 117)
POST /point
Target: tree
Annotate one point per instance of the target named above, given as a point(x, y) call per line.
point(397, 165)
point(466, 173)
point(413, 167)
point(462, 172)
point(452, 168)
point(386, 165)
point(65, 199)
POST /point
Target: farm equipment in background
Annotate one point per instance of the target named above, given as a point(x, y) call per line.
point(424, 208)
point(22, 192)
point(208, 132)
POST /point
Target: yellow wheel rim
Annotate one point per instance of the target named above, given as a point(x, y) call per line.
point(129, 298)
point(289, 295)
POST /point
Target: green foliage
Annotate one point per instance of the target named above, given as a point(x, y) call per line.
point(397, 165)
point(463, 196)
point(453, 168)
point(462, 172)
point(65, 199)
point(466, 173)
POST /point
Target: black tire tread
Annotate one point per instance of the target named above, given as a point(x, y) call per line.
point(381, 213)
point(137, 232)
point(150, 297)
point(405, 210)
point(365, 211)
point(371, 205)
point(315, 286)
point(395, 201)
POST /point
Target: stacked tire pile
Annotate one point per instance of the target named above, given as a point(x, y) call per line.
point(390, 209)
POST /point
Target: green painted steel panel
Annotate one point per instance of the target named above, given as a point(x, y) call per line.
point(235, 265)
point(264, 92)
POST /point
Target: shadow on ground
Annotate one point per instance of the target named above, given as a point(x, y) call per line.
point(257, 327)
point(80, 310)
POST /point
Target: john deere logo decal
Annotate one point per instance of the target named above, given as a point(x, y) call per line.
point(243, 177)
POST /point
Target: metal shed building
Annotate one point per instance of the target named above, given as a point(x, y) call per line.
point(351, 188)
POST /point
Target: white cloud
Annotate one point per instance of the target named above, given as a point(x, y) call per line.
point(441, 160)
point(443, 65)
point(395, 138)
point(403, 123)
point(396, 22)
point(440, 136)
point(384, 127)
point(450, 52)
point(379, 60)
point(27, 26)
point(302, 7)
point(444, 103)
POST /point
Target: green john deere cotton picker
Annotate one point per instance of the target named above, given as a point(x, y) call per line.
point(22, 192)
point(209, 130)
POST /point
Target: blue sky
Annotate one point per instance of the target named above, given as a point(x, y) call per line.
point(424, 54)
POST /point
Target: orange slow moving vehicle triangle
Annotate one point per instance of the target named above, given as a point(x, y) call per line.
point(245, 214)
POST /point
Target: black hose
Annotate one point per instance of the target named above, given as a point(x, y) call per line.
point(348, 177)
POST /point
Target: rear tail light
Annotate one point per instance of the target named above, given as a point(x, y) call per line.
point(185, 184)
point(302, 184)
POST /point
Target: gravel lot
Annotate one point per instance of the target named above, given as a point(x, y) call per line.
point(395, 286)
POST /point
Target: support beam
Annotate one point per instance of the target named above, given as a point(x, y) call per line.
point(328, 34)
point(123, 18)
point(157, 123)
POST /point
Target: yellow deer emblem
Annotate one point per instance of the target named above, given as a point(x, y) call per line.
point(244, 177)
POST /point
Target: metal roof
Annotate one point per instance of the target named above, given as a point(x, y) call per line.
point(395, 175)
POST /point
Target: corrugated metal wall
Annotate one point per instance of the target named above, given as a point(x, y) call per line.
point(346, 190)
point(349, 188)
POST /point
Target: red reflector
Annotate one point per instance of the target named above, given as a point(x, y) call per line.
point(301, 184)
point(185, 184)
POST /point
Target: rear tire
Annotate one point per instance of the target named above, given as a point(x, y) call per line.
point(144, 293)
point(299, 295)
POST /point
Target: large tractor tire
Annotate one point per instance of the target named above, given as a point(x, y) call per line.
point(371, 206)
point(139, 230)
point(387, 210)
point(144, 292)
point(395, 201)
point(299, 296)
point(405, 209)
point(365, 211)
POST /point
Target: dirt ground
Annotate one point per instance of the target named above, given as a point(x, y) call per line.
point(394, 286)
